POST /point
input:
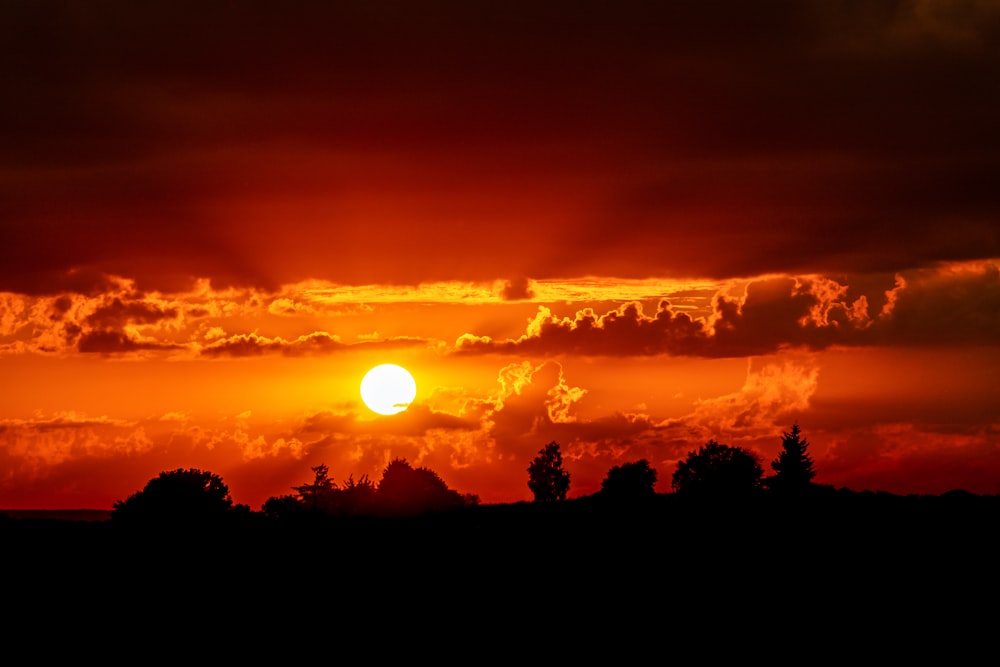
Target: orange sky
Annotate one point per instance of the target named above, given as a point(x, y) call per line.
point(627, 227)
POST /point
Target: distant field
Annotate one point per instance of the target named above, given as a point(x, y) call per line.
point(72, 515)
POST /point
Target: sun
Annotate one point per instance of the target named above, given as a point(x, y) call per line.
point(388, 389)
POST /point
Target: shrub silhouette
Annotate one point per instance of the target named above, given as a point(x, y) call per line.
point(632, 480)
point(405, 490)
point(357, 497)
point(177, 496)
point(546, 477)
point(718, 470)
point(280, 507)
point(323, 496)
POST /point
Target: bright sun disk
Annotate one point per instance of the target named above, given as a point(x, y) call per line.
point(388, 389)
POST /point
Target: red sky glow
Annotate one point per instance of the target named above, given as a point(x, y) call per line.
point(627, 227)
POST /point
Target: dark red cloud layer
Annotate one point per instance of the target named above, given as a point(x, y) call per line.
point(955, 305)
point(932, 308)
point(318, 342)
point(262, 143)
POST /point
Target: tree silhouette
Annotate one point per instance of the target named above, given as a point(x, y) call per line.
point(282, 507)
point(322, 494)
point(793, 466)
point(632, 480)
point(546, 477)
point(405, 490)
point(718, 470)
point(179, 496)
point(357, 497)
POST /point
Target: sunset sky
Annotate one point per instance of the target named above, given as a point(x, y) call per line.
point(627, 227)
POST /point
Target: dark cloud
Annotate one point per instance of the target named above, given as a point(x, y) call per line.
point(62, 421)
point(117, 342)
point(943, 306)
point(626, 331)
point(416, 420)
point(60, 306)
point(318, 342)
point(257, 144)
point(959, 305)
point(517, 289)
point(118, 313)
point(253, 345)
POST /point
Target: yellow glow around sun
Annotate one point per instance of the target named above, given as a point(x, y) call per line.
point(388, 389)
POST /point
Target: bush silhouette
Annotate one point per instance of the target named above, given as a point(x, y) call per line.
point(322, 494)
point(281, 507)
point(357, 497)
point(178, 496)
point(323, 497)
point(404, 490)
point(718, 470)
point(633, 480)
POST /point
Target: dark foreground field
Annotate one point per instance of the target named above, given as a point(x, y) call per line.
point(851, 563)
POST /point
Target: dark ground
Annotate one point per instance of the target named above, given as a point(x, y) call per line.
point(906, 572)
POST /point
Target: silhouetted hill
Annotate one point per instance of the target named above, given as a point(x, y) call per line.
point(832, 531)
point(844, 564)
point(69, 515)
point(828, 522)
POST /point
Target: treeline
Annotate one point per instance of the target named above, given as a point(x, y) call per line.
point(715, 469)
point(714, 472)
point(727, 538)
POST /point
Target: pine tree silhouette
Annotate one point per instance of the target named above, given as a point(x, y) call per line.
point(794, 466)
